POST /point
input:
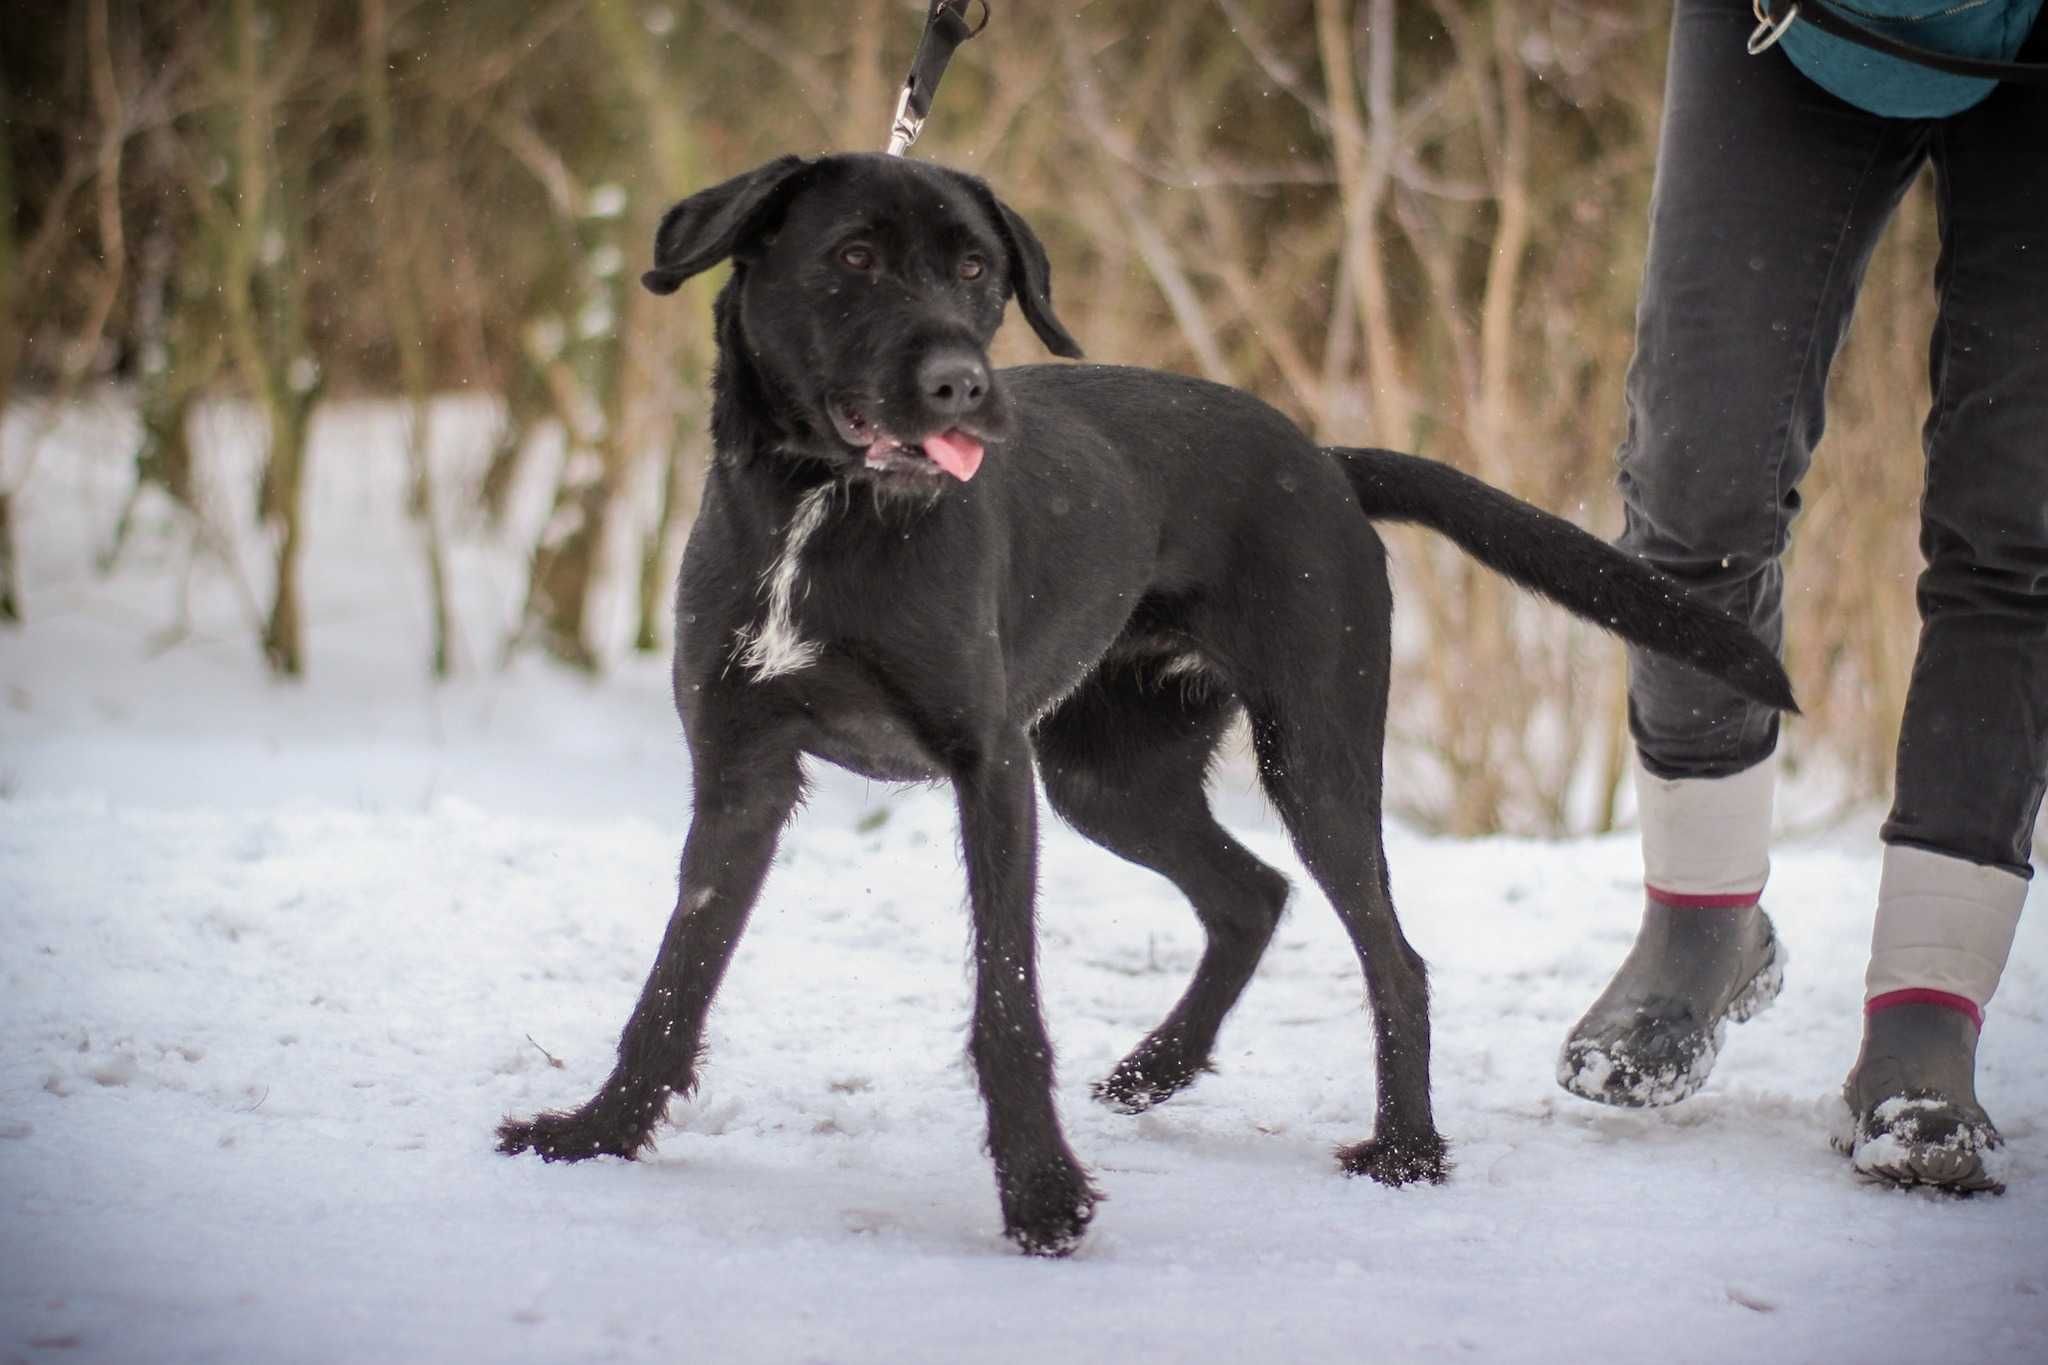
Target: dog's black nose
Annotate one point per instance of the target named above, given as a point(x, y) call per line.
point(953, 381)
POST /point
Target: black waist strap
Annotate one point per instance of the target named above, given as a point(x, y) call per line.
point(1823, 16)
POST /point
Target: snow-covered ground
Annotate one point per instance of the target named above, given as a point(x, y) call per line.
point(274, 960)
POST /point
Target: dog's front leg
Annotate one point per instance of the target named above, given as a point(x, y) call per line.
point(1047, 1200)
point(742, 803)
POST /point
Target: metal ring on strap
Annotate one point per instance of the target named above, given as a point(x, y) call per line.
point(1768, 30)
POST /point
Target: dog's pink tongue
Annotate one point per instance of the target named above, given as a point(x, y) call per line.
point(955, 452)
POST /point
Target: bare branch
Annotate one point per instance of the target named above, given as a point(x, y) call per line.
point(1153, 246)
point(806, 75)
point(1281, 72)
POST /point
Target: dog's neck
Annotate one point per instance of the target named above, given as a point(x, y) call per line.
point(755, 423)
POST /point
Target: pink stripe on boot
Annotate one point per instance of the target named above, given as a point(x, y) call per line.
point(1921, 995)
point(1682, 900)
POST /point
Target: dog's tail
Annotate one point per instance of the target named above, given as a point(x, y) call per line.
point(1580, 572)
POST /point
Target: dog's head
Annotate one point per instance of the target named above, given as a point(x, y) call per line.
point(864, 293)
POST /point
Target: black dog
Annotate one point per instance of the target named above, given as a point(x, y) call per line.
point(1139, 557)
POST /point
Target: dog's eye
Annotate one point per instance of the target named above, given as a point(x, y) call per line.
point(972, 267)
point(857, 256)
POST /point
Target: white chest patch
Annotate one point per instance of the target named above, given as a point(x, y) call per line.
point(773, 648)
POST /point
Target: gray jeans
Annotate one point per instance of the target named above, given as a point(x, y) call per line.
point(1770, 195)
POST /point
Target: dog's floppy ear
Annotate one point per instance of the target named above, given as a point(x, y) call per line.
point(1030, 274)
point(710, 225)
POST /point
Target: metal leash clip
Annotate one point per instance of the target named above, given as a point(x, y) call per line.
point(944, 30)
point(1768, 30)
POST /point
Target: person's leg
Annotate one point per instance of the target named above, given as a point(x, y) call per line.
point(1973, 747)
point(1770, 195)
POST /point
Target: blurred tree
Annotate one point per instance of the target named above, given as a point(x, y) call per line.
point(254, 226)
point(397, 266)
point(10, 588)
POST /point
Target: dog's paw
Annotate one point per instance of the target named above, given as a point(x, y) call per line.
point(1398, 1161)
point(1145, 1078)
point(1047, 1212)
point(597, 1129)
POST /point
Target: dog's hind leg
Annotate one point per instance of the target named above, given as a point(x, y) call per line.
point(1124, 761)
point(741, 806)
point(1320, 762)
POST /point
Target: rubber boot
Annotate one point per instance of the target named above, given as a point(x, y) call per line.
point(1912, 1100)
point(1652, 1036)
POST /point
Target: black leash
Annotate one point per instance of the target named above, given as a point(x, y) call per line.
point(944, 30)
point(1771, 26)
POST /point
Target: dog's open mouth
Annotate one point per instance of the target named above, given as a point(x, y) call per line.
point(955, 451)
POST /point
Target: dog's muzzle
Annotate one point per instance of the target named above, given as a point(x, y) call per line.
point(953, 449)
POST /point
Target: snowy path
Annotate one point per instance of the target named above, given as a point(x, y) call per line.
point(270, 958)
point(252, 1058)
